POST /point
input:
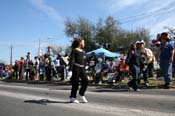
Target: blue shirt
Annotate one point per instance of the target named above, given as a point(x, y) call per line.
point(166, 51)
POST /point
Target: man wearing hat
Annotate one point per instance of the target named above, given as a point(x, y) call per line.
point(166, 59)
point(146, 59)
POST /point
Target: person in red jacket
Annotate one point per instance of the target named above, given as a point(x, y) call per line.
point(122, 70)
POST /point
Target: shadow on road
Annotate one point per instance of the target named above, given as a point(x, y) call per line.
point(46, 101)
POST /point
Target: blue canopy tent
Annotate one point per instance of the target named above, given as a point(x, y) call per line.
point(102, 51)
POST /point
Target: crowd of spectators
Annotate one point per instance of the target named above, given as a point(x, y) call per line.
point(133, 64)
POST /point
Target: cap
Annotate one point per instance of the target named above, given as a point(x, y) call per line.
point(140, 42)
point(137, 42)
point(164, 35)
point(155, 42)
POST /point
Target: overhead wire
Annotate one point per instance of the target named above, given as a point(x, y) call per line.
point(166, 9)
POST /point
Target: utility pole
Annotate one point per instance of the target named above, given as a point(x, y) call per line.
point(39, 49)
point(11, 54)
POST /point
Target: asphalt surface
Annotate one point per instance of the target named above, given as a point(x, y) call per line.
point(21, 99)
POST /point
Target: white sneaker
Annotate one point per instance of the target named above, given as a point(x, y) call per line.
point(74, 100)
point(147, 84)
point(99, 82)
point(137, 90)
point(131, 89)
point(84, 99)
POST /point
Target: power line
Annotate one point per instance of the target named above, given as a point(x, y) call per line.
point(146, 16)
point(168, 8)
point(146, 13)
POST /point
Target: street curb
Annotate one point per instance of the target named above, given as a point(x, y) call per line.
point(58, 82)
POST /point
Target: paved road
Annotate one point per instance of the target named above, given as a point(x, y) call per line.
point(20, 99)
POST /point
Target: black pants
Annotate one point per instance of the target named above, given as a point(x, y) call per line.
point(16, 74)
point(145, 75)
point(77, 73)
point(41, 76)
point(48, 74)
point(27, 74)
point(144, 70)
point(62, 73)
point(121, 75)
point(150, 69)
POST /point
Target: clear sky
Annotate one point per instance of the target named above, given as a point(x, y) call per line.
point(24, 22)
